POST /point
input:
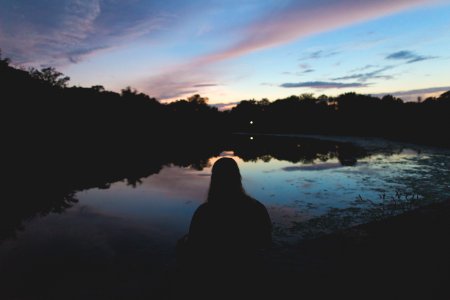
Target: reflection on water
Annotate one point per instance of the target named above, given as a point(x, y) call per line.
point(132, 225)
point(296, 178)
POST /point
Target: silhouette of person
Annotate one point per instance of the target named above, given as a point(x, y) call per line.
point(227, 233)
point(230, 219)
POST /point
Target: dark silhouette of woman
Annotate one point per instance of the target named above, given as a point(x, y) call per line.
point(230, 220)
point(227, 232)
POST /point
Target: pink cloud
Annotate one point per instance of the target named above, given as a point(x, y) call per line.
point(226, 106)
point(178, 81)
point(296, 20)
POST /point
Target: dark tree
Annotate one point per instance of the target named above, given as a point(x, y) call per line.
point(50, 76)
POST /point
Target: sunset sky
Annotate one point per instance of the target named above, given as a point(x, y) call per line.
point(230, 50)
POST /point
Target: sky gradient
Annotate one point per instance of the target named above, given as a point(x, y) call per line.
point(234, 50)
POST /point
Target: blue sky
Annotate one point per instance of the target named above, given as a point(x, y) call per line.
point(233, 50)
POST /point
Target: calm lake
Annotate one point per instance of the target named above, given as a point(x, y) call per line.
point(128, 229)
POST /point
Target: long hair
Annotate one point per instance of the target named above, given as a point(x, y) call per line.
point(226, 185)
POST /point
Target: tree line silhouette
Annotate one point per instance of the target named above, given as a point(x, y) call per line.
point(349, 114)
point(41, 105)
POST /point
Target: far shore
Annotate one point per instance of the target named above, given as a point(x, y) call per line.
point(371, 142)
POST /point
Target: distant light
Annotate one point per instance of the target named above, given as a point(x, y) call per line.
point(251, 122)
point(251, 138)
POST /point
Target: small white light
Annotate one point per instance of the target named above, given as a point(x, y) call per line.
point(251, 122)
point(251, 138)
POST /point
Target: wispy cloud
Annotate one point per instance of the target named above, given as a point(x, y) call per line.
point(364, 68)
point(409, 56)
point(304, 66)
point(66, 31)
point(296, 20)
point(300, 19)
point(205, 85)
point(225, 106)
point(77, 55)
point(179, 82)
point(268, 84)
point(299, 73)
point(363, 77)
point(323, 85)
point(402, 55)
point(176, 93)
point(318, 55)
point(177, 90)
point(416, 92)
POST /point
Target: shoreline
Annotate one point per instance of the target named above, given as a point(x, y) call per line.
point(404, 256)
point(372, 142)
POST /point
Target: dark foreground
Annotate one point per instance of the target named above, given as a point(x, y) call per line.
point(403, 257)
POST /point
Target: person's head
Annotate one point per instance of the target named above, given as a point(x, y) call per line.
point(226, 182)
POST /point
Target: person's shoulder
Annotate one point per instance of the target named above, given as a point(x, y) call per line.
point(255, 203)
point(260, 212)
point(203, 208)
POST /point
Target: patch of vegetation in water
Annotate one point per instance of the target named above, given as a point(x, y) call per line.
point(361, 211)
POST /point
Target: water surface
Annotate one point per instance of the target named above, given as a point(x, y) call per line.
point(133, 225)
